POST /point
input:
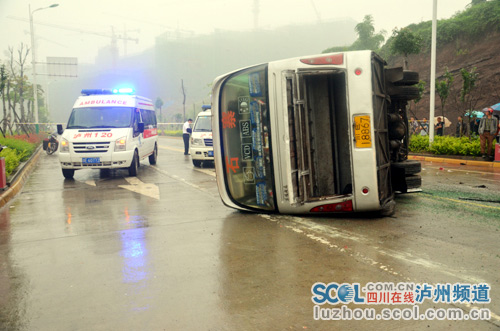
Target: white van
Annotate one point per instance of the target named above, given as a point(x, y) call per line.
point(201, 146)
point(108, 129)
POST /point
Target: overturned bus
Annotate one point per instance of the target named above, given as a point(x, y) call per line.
point(316, 134)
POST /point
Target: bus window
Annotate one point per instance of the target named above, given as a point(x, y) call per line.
point(245, 138)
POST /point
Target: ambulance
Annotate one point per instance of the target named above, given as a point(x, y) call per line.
point(108, 129)
point(202, 149)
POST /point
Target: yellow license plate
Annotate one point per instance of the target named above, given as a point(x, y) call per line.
point(362, 131)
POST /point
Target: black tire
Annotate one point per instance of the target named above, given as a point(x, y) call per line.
point(153, 158)
point(51, 148)
point(134, 166)
point(68, 173)
point(413, 181)
point(403, 92)
point(388, 208)
point(409, 78)
point(197, 163)
point(410, 167)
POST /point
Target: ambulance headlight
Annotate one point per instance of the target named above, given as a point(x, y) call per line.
point(64, 146)
point(196, 142)
point(121, 144)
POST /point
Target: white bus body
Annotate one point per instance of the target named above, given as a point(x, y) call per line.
point(313, 134)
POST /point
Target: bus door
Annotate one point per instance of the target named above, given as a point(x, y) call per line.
point(318, 129)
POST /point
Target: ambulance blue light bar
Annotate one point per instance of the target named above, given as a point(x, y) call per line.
point(125, 90)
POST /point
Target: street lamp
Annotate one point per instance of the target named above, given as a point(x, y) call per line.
point(33, 61)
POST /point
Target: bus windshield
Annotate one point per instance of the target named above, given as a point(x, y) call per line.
point(246, 146)
point(203, 124)
point(100, 117)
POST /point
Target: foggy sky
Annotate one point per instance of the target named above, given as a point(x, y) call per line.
point(154, 17)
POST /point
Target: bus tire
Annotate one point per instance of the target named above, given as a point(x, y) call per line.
point(68, 173)
point(404, 92)
point(197, 163)
point(388, 208)
point(153, 158)
point(410, 167)
point(413, 181)
point(409, 78)
point(134, 166)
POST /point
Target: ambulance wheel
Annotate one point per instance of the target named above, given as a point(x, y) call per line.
point(134, 166)
point(68, 173)
point(197, 163)
point(153, 157)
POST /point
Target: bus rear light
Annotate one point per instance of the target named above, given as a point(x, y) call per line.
point(358, 71)
point(328, 59)
point(365, 190)
point(333, 207)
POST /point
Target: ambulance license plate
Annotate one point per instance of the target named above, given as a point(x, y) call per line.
point(362, 131)
point(91, 160)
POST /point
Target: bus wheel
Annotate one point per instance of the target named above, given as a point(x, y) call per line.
point(413, 181)
point(404, 92)
point(409, 78)
point(388, 208)
point(134, 166)
point(197, 163)
point(68, 173)
point(154, 157)
point(410, 167)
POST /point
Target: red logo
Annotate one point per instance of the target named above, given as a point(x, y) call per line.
point(232, 164)
point(228, 120)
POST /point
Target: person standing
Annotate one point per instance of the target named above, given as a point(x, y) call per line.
point(186, 131)
point(461, 128)
point(488, 127)
point(424, 127)
point(413, 126)
point(439, 127)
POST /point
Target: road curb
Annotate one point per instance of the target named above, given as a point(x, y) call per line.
point(20, 179)
point(484, 164)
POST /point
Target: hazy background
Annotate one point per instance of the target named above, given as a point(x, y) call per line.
point(159, 43)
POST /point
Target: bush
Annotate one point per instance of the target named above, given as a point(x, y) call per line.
point(172, 133)
point(22, 147)
point(446, 145)
point(12, 160)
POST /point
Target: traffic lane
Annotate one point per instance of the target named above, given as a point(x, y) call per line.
point(223, 273)
point(427, 240)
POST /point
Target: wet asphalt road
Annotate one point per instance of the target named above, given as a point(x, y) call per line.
point(161, 252)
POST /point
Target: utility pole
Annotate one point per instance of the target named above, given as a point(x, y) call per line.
point(433, 73)
point(33, 62)
point(183, 102)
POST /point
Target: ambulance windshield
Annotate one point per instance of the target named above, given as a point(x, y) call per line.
point(203, 124)
point(100, 117)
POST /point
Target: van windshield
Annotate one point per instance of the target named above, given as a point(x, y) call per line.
point(203, 124)
point(100, 117)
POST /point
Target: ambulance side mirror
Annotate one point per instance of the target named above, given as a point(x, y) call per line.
point(140, 127)
point(60, 129)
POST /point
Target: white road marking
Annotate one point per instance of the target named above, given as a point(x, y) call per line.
point(137, 186)
point(206, 171)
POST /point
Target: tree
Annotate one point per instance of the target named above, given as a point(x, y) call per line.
point(367, 39)
point(469, 95)
point(405, 42)
point(443, 88)
point(158, 105)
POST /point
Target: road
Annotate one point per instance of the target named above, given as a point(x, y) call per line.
point(161, 252)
